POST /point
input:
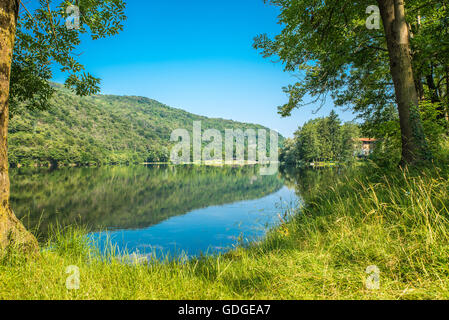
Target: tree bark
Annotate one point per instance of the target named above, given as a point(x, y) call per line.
point(398, 41)
point(12, 232)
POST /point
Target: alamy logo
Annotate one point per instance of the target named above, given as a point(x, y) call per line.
point(73, 280)
point(373, 279)
point(73, 17)
point(373, 21)
point(234, 147)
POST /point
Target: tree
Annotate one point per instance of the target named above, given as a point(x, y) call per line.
point(333, 123)
point(289, 152)
point(398, 42)
point(30, 42)
point(311, 147)
point(329, 45)
point(350, 132)
point(322, 138)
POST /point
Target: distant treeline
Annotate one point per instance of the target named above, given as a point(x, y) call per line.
point(323, 139)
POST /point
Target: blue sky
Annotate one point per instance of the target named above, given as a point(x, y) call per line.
point(197, 55)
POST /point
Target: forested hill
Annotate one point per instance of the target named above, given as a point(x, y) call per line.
point(101, 129)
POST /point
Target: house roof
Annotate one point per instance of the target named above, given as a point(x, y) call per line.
point(367, 139)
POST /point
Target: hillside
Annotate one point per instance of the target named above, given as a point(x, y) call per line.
point(101, 129)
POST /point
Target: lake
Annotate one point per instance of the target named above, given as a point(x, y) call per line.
point(155, 210)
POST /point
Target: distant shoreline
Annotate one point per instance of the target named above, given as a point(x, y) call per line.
point(74, 165)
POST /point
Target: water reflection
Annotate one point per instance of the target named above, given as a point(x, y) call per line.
point(185, 208)
point(204, 231)
point(162, 209)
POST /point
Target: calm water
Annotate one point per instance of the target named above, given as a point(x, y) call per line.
point(157, 209)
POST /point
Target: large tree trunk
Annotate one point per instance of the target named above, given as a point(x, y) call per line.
point(12, 232)
point(397, 35)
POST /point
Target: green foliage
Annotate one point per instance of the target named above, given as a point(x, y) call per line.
point(386, 130)
point(327, 44)
point(289, 154)
point(101, 130)
point(43, 41)
point(349, 132)
point(324, 139)
point(310, 144)
point(434, 124)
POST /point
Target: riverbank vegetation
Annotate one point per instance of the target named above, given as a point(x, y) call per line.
point(323, 139)
point(395, 219)
point(327, 141)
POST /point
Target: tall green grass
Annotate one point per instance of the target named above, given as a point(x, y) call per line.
point(397, 220)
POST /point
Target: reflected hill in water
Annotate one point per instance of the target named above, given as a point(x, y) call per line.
point(128, 197)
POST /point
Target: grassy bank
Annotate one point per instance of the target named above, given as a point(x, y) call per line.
point(395, 220)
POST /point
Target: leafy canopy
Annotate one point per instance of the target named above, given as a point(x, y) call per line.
point(333, 53)
point(43, 40)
